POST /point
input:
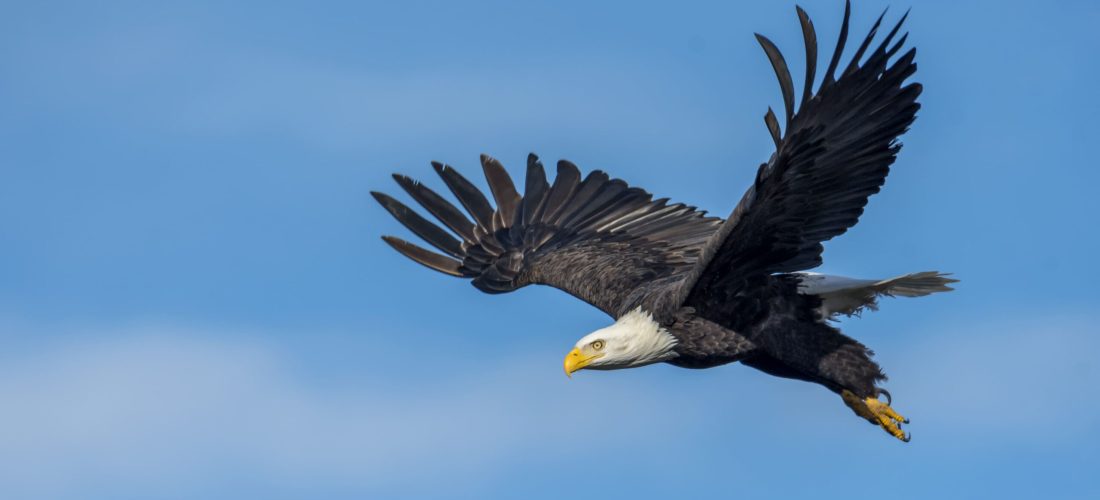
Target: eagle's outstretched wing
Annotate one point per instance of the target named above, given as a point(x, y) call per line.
point(834, 154)
point(597, 238)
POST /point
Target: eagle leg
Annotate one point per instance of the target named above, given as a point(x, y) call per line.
point(878, 413)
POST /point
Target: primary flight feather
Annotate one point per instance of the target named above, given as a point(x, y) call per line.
point(698, 291)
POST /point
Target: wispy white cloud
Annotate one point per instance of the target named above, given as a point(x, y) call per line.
point(161, 407)
point(167, 409)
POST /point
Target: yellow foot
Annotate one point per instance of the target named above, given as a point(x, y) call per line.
point(877, 413)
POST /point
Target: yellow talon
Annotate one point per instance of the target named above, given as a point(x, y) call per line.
point(878, 413)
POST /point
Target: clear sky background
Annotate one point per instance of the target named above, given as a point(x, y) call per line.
point(195, 302)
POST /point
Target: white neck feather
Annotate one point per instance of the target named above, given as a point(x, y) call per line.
point(635, 339)
point(649, 336)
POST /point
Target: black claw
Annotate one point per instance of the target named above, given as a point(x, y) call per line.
point(906, 421)
point(889, 398)
point(907, 437)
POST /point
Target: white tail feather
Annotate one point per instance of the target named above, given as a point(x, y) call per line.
point(916, 284)
point(848, 296)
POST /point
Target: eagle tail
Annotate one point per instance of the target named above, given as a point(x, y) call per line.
point(916, 284)
point(849, 296)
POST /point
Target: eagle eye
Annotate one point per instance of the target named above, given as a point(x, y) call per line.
point(597, 345)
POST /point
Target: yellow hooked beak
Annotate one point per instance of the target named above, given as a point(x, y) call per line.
point(576, 360)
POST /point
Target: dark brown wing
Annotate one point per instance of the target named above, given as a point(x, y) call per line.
point(835, 153)
point(597, 238)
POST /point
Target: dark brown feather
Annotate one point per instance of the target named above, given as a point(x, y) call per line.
point(565, 184)
point(425, 257)
point(534, 191)
point(841, 40)
point(773, 127)
point(420, 226)
point(786, 84)
point(440, 208)
point(468, 195)
point(504, 191)
point(809, 38)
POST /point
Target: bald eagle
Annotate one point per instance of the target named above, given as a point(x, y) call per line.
point(697, 291)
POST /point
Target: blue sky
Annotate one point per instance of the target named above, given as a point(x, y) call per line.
point(195, 303)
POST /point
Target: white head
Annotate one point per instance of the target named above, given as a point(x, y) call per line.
point(634, 340)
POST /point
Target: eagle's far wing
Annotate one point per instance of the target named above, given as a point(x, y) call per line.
point(834, 154)
point(597, 238)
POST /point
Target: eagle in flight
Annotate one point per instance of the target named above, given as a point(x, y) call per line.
point(697, 291)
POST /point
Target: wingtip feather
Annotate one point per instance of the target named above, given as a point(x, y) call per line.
point(782, 73)
point(424, 257)
point(809, 39)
